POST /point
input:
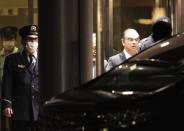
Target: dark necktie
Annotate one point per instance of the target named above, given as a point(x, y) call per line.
point(31, 59)
point(31, 64)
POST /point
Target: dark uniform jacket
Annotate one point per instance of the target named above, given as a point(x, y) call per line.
point(20, 87)
point(145, 43)
point(115, 60)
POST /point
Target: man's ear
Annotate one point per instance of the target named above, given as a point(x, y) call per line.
point(23, 42)
point(122, 41)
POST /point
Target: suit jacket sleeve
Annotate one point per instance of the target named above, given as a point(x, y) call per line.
point(109, 65)
point(7, 83)
point(115, 60)
point(145, 43)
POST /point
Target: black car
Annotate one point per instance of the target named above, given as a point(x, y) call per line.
point(144, 92)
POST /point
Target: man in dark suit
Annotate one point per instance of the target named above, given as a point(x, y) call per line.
point(161, 29)
point(20, 82)
point(130, 40)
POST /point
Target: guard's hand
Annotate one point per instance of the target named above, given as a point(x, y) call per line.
point(8, 112)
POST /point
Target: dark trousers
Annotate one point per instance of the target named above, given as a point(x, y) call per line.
point(22, 125)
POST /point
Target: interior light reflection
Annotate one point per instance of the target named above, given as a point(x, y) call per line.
point(164, 44)
point(127, 92)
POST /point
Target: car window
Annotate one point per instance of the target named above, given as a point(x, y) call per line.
point(171, 55)
point(169, 50)
point(148, 79)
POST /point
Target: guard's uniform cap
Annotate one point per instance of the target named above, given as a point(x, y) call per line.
point(9, 32)
point(29, 31)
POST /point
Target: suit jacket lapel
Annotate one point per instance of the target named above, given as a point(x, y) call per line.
point(122, 57)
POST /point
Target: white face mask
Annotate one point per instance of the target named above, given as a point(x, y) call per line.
point(31, 47)
point(8, 45)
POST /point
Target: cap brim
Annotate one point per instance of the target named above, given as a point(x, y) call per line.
point(32, 36)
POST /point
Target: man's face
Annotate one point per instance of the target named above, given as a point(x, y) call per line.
point(94, 46)
point(30, 44)
point(94, 51)
point(8, 44)
point(130, 41)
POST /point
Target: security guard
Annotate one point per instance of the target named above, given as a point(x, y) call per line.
point(20, 82)
point(8, 41)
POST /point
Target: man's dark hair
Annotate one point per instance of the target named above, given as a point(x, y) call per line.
point(161, 28)
point(9, 32)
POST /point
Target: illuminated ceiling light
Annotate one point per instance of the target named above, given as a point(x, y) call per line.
point(144, 21)
point(157, 12)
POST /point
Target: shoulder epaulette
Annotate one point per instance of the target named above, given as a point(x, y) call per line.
point(7, 100)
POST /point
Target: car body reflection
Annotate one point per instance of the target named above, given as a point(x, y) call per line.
point(144, 92)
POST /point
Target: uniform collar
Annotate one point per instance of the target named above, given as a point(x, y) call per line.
point(35, 54)
point(2, 52)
